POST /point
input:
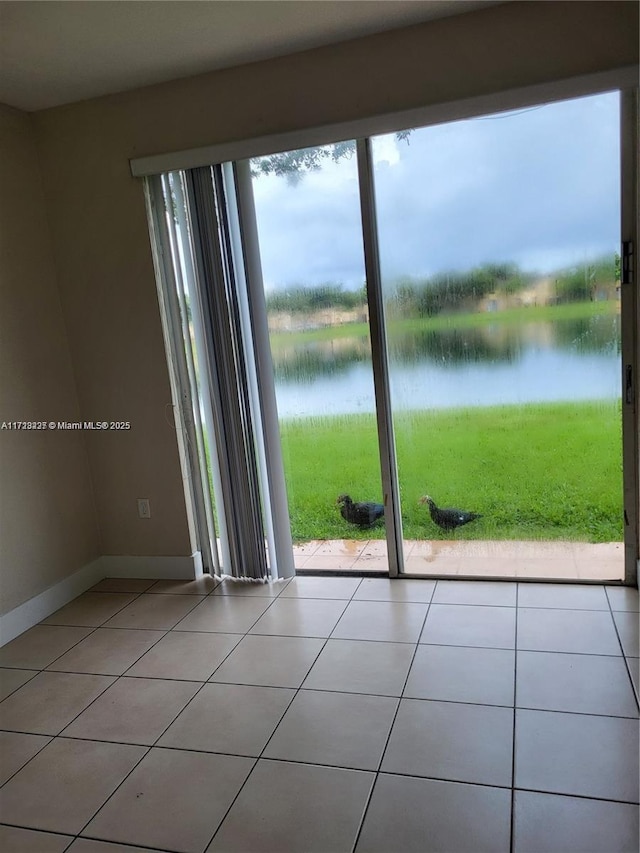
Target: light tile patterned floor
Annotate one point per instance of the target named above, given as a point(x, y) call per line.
point(328, 714)
point(473, 558)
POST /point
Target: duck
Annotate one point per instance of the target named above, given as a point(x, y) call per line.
point(361, 513)
point(450, 518)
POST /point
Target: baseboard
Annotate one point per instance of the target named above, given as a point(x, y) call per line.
point(28, 614)
point(158, 568)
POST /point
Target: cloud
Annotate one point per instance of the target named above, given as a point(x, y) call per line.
point(539, 187)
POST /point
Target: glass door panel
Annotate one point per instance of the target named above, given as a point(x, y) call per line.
point(309, 229)
point(499, 240)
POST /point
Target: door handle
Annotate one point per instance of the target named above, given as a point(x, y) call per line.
point(628, 384)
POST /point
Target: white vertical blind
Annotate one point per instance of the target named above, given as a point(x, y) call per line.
point(232, 416)
point(182, 387)
point(276, 507)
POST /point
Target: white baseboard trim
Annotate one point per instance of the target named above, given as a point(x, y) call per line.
point(28, 614)
point(158, 568)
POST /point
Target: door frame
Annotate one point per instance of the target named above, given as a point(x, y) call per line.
point(623, 80)
point(630, 323)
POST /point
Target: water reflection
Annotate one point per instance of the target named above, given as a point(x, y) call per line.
point(593, 334)
point(454, 347)
point(304, 363)
point(492, 363)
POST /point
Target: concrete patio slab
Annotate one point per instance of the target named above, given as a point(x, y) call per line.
point(476, 558)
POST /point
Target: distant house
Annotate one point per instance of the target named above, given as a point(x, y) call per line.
point(608, 291)
point(289, 321)
point(541, 292)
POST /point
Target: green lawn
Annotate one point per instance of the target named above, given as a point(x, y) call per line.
point(541, 471)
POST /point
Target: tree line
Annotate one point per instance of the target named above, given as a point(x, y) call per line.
point(300, 299)
point(450, 291)
point(577, 284)
point(454, 290)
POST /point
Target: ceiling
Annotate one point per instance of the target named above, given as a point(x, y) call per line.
point(54, 53)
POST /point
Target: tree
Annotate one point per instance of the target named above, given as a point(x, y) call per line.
point(578, 283)
point(303, 299)
point(295, 164)
point(454, 290)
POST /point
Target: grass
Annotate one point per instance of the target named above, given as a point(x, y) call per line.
point(539, 471)
point(539, 313)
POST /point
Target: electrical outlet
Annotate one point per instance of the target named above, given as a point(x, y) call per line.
point(144, 508)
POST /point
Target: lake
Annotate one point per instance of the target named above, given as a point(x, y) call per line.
point(492, 364)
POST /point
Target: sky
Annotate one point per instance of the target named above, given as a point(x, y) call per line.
point(538, 187)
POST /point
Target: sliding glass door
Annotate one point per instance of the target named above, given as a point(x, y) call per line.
point(427, 333)
point(311, 252)
point(500, 256)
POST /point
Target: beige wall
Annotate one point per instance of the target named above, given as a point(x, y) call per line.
point(98, 219)
point(47, 518)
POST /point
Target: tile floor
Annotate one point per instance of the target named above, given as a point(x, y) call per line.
point(324, 714)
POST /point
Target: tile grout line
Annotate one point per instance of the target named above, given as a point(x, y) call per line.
point(60, 733)
point(102, 841)
point(227, 633)
point(117, 676)
point(122, 781)
point(24, 683)
point(135, 595)
point(71, 838)
point(206, 681)
point(43, 670)
point(393, 722)
point(296, 692)
point(324, 644)
point(513, 733)
point(301, 636)
point(116, 679)
point(309, 690)
point(44, 745)
point(377, 773)
point(164, 678)
point(153, 745)
point(347, 601)
point(624, 655)
point(578, 796)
